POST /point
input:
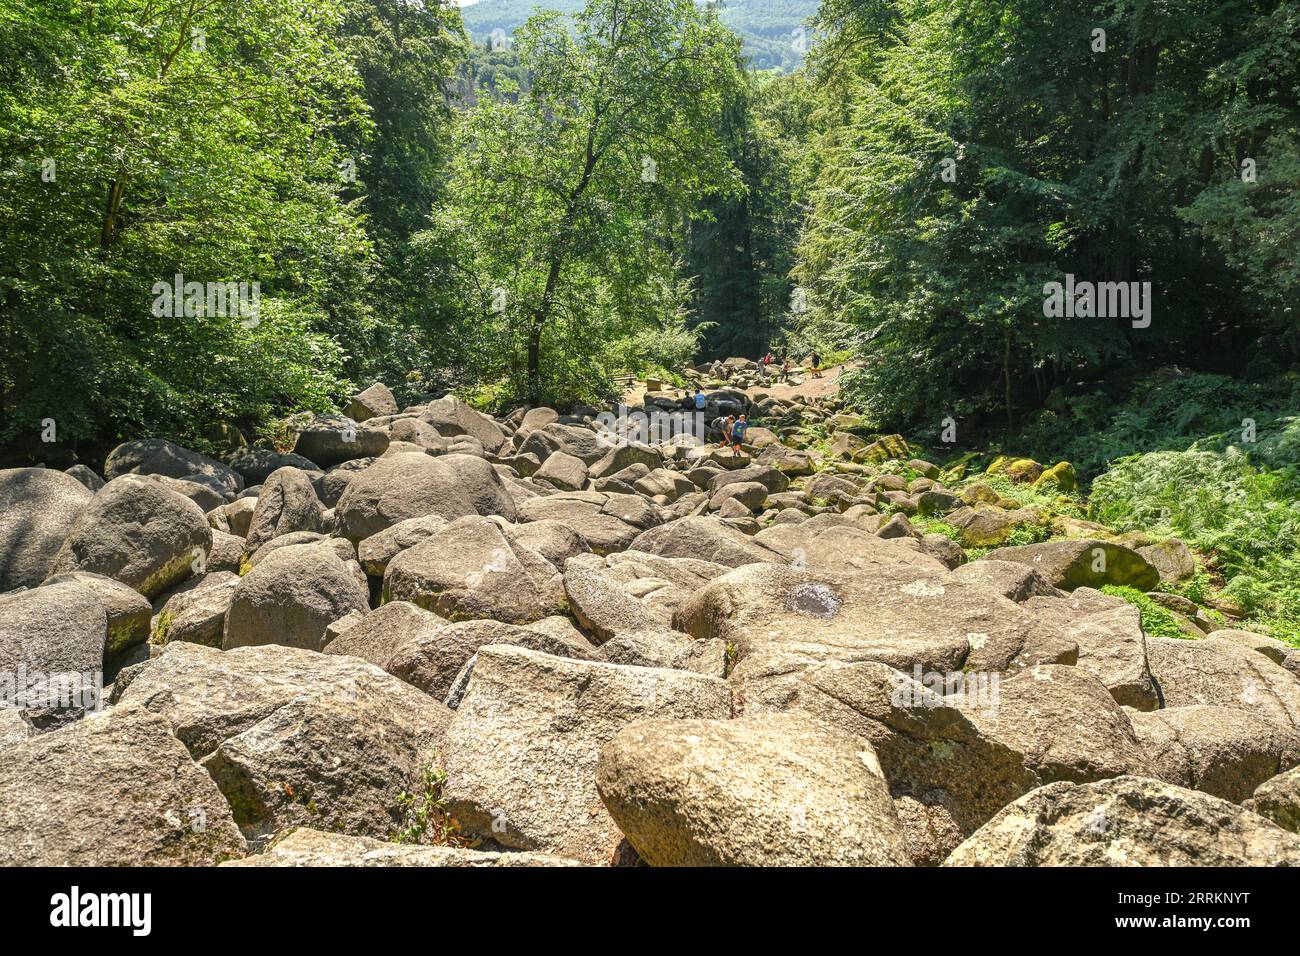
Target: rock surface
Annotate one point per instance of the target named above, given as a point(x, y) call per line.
point(293, 737)
point(304, 846)
point(1126, 821)
point(38, 507)
point(113, 790)
point(137, 532)
point(777, 790)
point(291, 597)
point(522, 751)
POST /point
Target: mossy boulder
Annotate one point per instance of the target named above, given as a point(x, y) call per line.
point(1073, 563)
point(885, 448)
point(1016, 469)
point(848, 422)
point(990, 527)
point(977, 492)
point(1172, 558)
point(1062, 475)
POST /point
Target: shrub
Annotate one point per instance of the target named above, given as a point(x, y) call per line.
point(1157, 621)
point(1219, 503)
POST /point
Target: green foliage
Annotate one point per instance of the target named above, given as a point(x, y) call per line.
point(556, 231)
point(1157, 621)
point(740, 246)
point(147, 140)
point(425, 818)
point(1219, 503)
point(931, 525)
point(1027, 534)
point(1166, 412)
point(1196, 588)
point(1060, 160)
point(765, 26)
point(1050, 499)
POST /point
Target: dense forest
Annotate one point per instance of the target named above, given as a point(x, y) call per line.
point(774, 34)
point(621, 187)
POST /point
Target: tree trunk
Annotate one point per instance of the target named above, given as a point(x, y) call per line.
point(1006, 376)
point(535, 364)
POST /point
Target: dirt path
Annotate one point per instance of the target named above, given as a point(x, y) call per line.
point(811, 387)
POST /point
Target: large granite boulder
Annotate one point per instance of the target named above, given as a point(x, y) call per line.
point(1069, 563)
point(1126, 821)
point(137, 532)
point(293, 737)
point(114, 790)
point(522, 751)
point(470, 569)
point(416, 485)
point(772, 790)
point(291, 596)
point(38, 507)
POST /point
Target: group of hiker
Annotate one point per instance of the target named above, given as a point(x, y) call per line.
point(733, 429)
point(765, 364)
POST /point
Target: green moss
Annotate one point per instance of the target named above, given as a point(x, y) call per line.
point(162, 628)
point(928, 525)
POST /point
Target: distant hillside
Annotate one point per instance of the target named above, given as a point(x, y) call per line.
point(766, 26)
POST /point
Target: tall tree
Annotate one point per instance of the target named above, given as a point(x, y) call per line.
point(562, 198)
point(974, 152)
point(141, 139)
point(740, 247)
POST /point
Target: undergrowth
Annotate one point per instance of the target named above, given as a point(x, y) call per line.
point(1157, 621)
point(1246, 518)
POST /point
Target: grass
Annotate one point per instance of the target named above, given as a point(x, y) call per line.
point(1026, 495)
point(932, 525)
point(1157, 621)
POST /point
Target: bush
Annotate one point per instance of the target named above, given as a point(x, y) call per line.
point(1157, 621)
point(1163, 414)
point(1219, 503)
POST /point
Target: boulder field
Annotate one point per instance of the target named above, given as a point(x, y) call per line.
point(426, 636)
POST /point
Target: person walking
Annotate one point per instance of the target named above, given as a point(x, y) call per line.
point(726, 430)
point(738, 434)
point(816, 365)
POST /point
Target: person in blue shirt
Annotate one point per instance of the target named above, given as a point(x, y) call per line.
point(700, 400)
point(738, 434)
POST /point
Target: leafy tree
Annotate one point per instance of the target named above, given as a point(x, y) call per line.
point(740, 247)
point(766, 27)
point(1114, 164)
point(563, 199)
point(408, 56)
point(139, 140)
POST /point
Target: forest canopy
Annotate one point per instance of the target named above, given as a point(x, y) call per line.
point(623, 187)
